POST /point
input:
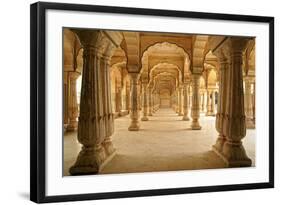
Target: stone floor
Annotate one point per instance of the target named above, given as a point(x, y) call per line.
point(164, 143)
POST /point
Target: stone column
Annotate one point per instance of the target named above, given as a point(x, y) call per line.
point(153, 102)
point(202, 101)
point(209, 103)
point(65, 100)
point(248, 104)
point(134, 114)
point(212, 103)
point(95, 120)
point(139, 96)
point(177, 100)
point(128, 98)
point(185, 102)
point(107, 108)
point(213, 94)
point(145, 104)
point(180, 111)
point(221, 109)
point(150, 102)
point(118, 100)
point(254, 103)
point(195, 109)
point(72, 102)
point(231, 115)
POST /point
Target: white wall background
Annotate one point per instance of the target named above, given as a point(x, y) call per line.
point(14, 103)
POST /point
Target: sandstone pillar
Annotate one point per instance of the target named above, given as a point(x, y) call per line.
point(213, 95)
point(248, 104)
point(221, 109)
point(180, 111)
point(254, 103)
point(209, 103)
point(95, 124)
point(150, 102)
point(202, 100)
point(145, 104)
point(118, 101)
point(185, 102)
point(134, 114)
point(72, 102)
point(107, 108)
point(230, 120)
point(177, 100)
point(65, 100)
point(128, 98)
point(195, 109)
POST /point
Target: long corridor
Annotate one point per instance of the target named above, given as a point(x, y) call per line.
point(164, 143)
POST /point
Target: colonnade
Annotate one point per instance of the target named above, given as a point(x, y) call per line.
point(96, 118)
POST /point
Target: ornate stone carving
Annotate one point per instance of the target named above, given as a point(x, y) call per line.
point(134, 114)
point(180, 110)
point(96, 118)
point(249, 103)
point(72, 102)
point(185, 101)
point(195, 109)
point(231, 115)
point(145, 104)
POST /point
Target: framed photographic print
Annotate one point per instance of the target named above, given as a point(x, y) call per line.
point(129, 102)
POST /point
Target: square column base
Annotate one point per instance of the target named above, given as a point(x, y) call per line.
point(237, 158)
point(90, 163)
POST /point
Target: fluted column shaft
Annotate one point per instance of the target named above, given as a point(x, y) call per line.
point(145, 104)
point(92, 119)
point(72, 102)
point(230, 120)
point(96, 120)
point(107, 108)
point(213, 94)
point(128, 98)
point(195, 109)
point(180, 113)
point(248, 104)
point(134, 114)
point(221, 109)
point(150, 102)
point(254, 103)
point(118, 100)
point(177, 100)
point(209, 103)
point(202, 101)
point(65, 100)
point(185, 102)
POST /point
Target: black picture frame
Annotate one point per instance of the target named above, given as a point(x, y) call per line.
point(38, 100)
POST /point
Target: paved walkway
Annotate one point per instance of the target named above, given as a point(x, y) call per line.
point(164, 143)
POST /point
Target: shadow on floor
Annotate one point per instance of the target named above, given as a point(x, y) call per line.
point(133, 163)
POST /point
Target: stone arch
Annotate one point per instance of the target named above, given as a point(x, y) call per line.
point(152, 44)
point(162, 46)
point(167, 75)
point(71, 47)
point(119, 56)
point(170, 66)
